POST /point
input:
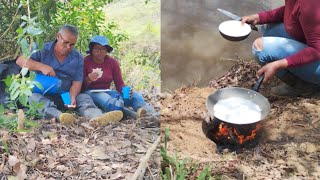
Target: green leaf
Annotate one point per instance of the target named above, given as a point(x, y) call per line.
point(30, 123)
point(40, 42)
point(183, 174)
point(204, 173)
point(34, 31)
point(24, 46)
point(24, 17)
point(14, 95)
point(20, 30)
point(23, 99)
point(21, 25)
point(15, 88)
point(166, 138)
point(27, 92)
point(1, 109)
point(9, 80)
point(6, 147)
point(32, 75)
point(24, 71)
point(38, 85)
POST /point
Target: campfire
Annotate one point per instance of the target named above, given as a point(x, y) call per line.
point(227, 132)
point(232, 136)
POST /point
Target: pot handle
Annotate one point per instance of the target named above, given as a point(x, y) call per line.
point(256, 87)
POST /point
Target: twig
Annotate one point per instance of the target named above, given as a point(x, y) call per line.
point(6, 57)
point(138, 137)
point(238, 57)
point(144, 160)
point(14, 18)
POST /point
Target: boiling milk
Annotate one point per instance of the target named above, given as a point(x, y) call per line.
point(237, 110)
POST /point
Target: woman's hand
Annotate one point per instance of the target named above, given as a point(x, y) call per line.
point(270, 69)
point(93, 76)
point(251, 19)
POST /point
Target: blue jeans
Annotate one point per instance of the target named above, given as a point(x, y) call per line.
point(102, 98)
point(278, 44)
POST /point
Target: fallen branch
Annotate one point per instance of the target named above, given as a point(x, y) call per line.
point(144, 160)
point(6, 57)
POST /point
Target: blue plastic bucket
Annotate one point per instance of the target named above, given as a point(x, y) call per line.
point(51, 85)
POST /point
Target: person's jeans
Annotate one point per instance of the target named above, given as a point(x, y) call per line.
point(53, 105)
point(278, 44)
point(102, 99)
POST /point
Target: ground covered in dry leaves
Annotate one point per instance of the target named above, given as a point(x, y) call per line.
point(81, 151)
point(289, 148)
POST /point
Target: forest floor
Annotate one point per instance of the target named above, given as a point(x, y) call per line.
point(81, 151)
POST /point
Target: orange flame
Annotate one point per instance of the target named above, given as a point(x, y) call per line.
point(224, 131)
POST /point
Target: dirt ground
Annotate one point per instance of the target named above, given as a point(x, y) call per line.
point(289, 148)
point(54, 151)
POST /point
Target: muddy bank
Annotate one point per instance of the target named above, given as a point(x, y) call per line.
point(289, 148)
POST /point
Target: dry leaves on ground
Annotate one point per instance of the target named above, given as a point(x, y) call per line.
point(81, 151)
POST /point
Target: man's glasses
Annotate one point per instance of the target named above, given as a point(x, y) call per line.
point(66, 43)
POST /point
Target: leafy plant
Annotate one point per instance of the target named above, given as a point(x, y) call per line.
point(10, 123)
point(20, 87)
point(174, 168)
point(32, 112)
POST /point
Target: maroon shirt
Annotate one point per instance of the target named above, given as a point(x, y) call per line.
point(301, 20)
point(111, 72)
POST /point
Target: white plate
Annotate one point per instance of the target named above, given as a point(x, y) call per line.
point(99, 90)
point(234, 28)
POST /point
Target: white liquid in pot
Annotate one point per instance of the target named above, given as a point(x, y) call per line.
point(237, 110)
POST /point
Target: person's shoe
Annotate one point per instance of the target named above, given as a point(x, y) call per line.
point(141, 112)
point(67, 119)
point(285, 90)
point(104, 119)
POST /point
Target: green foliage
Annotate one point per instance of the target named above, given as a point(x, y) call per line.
point(20, 87)
point(140, 55)
point(89, 17)
point(6, 147)
point(205, 174)
point(32, 112)
point(174, 168)
point(10, 123)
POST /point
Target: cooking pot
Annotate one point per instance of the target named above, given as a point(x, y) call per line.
point(233, 30)
point(246, 94)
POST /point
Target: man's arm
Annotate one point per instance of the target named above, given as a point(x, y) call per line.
point(35, 66)
point(74, 91)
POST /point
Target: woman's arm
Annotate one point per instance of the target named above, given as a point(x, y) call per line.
point(310, 23)
point(272, 16)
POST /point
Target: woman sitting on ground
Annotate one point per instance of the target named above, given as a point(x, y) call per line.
point(100, 70)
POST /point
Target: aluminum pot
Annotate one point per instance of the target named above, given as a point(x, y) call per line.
point(247, 94)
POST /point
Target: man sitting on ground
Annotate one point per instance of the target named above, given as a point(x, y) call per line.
point(59, 59)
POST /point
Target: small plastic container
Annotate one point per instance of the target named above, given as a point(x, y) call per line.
point(66, 98)
point(126, 92)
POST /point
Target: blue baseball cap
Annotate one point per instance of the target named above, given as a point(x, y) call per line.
point(103, 41)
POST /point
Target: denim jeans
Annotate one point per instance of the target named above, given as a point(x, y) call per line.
point(278, 44)
point(53, 105)
point(101, 99)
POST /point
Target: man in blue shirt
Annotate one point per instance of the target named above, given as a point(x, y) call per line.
point(59, 59)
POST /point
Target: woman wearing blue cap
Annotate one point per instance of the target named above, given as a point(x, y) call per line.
point(99, 71)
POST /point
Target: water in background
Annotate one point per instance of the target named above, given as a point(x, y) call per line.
point(192, 50)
